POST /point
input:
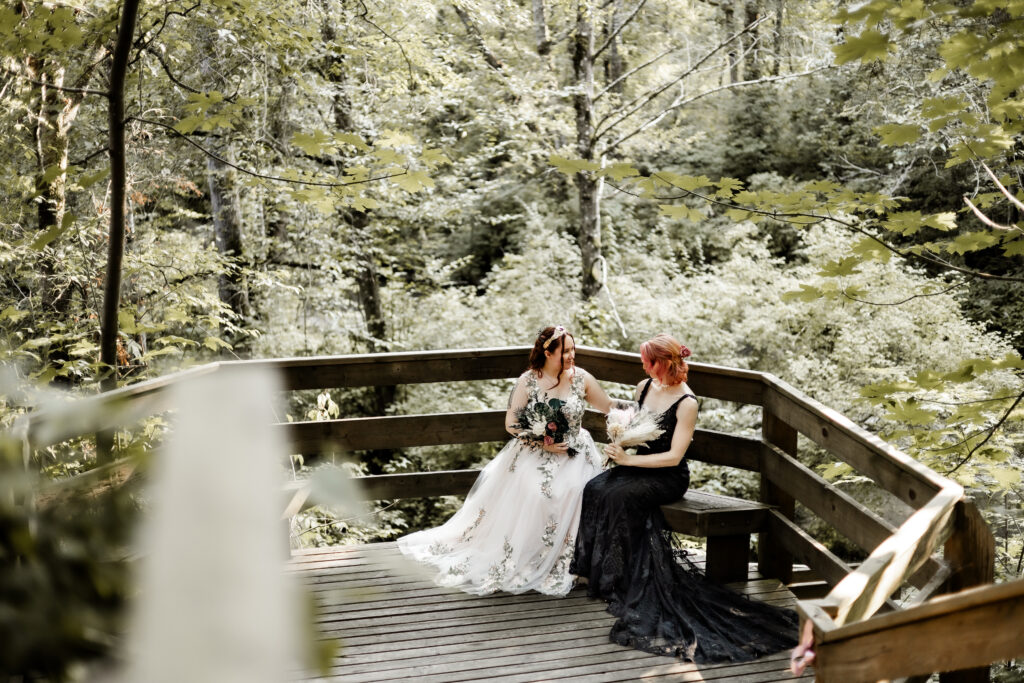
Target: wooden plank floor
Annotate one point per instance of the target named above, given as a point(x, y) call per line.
point(392, 623)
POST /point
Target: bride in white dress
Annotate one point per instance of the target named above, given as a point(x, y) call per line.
point(517, 529)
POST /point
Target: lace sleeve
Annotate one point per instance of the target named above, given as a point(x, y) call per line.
point(517, 400)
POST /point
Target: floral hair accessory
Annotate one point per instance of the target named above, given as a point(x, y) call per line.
point(559, 332)
point(684, 352)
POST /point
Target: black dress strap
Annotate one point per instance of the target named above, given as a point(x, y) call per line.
point(643, 393)
point(671, 408)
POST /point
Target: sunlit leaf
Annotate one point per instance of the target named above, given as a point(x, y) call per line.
point(395, 138)
point(869, 46)
point(619, 171)
point(314, 143)
point(413, 181)
point(434, 157)
point(895, 134)
point(840, 268)
point(911, 412)
point(389, 156)
point(572, 166)
point(1006, 477)
point(806, 293)
point(351, 139)
point(216, 344)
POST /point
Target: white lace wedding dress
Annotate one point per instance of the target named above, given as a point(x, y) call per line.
point(517, 529)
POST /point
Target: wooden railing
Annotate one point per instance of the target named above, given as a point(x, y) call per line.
point(842, 621)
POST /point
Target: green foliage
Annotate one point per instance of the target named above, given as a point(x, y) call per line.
point(804, 227)
point(64, 576)
point(946, 438)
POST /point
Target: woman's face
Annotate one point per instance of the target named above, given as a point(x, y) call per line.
point(567, 349)
point(650, 368)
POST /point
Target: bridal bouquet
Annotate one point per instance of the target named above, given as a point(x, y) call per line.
point(631, 425)
point(544, 423)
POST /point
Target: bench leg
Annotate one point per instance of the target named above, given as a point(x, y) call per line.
point(727, 558)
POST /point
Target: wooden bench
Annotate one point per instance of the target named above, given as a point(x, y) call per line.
point(726, 522)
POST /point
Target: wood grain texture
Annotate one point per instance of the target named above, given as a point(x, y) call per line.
point(700, 513)
point(806, 549)
point(404, 431)
point(987, 622)
point(406, 628)
point(772, 558)
point(890, 468)
point(853, 520)
point(867, 588)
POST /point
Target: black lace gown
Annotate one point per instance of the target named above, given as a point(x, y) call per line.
point(662, 602)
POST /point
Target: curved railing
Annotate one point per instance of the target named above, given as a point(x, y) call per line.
point(842, 620)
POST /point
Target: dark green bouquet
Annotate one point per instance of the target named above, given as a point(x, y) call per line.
point(544, 423)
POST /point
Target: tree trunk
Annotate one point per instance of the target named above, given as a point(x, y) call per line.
point(729, 24)
point(52, 123)
point(540, 28)
point(780, 9)
point(372, 308)
point(752, 50)
point(227, 227)
point(478, 39)
point(614, 66)
point(588, 187)
point(365, 272)
point(118, 191)
point(590, 233)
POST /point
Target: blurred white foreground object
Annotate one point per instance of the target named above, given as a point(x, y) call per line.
point(214, 602)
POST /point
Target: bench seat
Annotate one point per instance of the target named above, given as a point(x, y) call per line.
point(726, 522)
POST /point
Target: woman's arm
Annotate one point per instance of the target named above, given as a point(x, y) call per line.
point(516, 402)
point(595, 393)
point(597, 397)
point(686, 424)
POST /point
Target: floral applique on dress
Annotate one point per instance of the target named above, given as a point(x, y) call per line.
point(515, 531)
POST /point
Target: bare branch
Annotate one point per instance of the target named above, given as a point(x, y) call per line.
point(88, 157)
point(903, 301)
point(682, 103)
point(1016, 202)
point(61, 88)
point(157, 30)
point(408, 64)
point(994, 399)
point(7, 84)
point(991, 432)
point(988, 221)
point(170, 75)
point(644, 98)
point(478, 38)
point(618, 29)
point(802, 219)
point(629, 73)
point(254, 174)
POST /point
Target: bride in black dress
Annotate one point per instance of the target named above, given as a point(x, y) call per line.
point(624, 550)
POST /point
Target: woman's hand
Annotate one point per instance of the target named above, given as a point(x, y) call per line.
point(556, 448)
point(803, 654)
point(616, 454)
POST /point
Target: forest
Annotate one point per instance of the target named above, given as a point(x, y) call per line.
point(831, 192)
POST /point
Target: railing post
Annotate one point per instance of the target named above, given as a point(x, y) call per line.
point(772, 559)
point(970, 552)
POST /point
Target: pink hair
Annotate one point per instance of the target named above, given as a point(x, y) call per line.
point(665, 349)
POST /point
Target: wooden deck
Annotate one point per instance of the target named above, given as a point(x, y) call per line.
point(393, 623)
